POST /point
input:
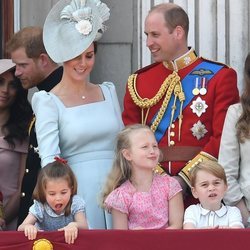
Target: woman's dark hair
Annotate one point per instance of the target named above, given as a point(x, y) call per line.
point(243, 124)
point(20, 116)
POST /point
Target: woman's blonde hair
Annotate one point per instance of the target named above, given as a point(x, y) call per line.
point(121, 169)
point(52, 171)
point(212, 167)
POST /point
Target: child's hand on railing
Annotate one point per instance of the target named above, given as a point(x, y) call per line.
point(70, 232)
point(30, 231)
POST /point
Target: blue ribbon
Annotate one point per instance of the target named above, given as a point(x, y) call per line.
point(204, 69)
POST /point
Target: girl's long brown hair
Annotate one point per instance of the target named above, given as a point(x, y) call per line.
point(52, 171)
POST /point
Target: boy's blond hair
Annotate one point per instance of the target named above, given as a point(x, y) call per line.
point(212, 167)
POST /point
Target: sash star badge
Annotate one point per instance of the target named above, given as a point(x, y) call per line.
point(199, 130)
point(199, 106)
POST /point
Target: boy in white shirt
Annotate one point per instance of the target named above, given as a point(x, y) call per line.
point(209, 184)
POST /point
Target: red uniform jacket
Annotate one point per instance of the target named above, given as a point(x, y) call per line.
point(221, 92)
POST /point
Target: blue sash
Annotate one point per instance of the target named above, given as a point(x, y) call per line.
point(204, 69)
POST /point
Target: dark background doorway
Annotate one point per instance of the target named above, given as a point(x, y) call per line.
point(6, 24)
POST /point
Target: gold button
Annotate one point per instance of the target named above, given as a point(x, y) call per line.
point(23, 194)
point(172, 133)
point(27, 170)
point(172, 126)
point(172, 143)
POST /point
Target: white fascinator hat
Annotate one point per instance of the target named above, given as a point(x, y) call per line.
point(71, 26)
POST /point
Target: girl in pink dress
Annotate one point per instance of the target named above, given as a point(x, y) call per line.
point(137, 197)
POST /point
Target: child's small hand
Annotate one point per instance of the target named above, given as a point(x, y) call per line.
point(70, 232)
point(2, 223)
point(30, 231)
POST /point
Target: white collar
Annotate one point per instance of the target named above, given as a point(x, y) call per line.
point(221, 212)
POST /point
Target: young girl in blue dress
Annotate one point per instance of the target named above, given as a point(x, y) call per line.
point(56, 205)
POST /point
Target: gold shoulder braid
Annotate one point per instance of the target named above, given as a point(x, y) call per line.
point(172, 84)
point(145, 103)
point(185, 172)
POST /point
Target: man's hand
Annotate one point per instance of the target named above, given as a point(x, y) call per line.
point(183, 184)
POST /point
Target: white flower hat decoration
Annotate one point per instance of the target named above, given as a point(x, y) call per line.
point(72, 25)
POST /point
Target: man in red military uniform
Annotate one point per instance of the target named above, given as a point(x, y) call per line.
point(182, 97)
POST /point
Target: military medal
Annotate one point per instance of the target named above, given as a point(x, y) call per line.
point(203, 89)
point(199, 106)
point(199, 130)
point(196, 91)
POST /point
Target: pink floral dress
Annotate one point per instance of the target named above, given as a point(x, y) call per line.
point(145, 209)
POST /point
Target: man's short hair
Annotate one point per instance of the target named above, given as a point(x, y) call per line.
point(29, 38)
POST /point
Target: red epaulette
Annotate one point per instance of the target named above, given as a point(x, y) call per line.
point(147, 67)
point(215, 62)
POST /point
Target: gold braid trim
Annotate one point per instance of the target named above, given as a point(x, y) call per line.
point(175, 81)
point(182, 98)
point(31, 124)
point(144, 103)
